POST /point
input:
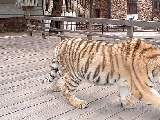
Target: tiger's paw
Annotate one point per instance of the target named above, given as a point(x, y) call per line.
point(128, 102)
point(81, 104)
point(56, 88)
point(78, 103)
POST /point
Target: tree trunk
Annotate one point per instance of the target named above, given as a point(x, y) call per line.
point(56, 12)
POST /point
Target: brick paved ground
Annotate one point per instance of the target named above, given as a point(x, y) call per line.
point(24, 64)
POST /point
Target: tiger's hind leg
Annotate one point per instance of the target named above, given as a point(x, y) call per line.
point(68, 90)
point(54, 83)
point(58, 84)
point(125, 96)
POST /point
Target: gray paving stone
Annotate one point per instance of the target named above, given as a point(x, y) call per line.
point(24, 64)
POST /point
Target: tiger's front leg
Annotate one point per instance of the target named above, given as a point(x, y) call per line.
point(73, 100)
point(68, 90)
point(124, 95)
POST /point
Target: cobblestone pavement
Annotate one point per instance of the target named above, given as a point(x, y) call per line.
point(24, 64)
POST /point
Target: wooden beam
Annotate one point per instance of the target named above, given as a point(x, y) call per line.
point(128, 23)
point(149, 24)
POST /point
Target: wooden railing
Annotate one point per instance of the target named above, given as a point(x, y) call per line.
point(128, 24)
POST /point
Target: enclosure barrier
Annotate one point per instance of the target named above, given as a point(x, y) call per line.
point(129, 24)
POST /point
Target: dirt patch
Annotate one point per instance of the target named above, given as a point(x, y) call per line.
point(13, 34)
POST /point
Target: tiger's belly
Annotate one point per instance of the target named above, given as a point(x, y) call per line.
point(97, 76)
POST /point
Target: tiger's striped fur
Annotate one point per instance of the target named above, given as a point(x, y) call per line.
point(131, 65)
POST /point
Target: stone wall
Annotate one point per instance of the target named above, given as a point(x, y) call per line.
point(104, 6)
point(156, 16)
point(114, 9)
point(118, 9)
point(144, 8)
point(16, 24)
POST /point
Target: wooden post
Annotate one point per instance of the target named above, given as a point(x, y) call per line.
point(102, 28)
point(43, 30)
point(29, 27)
point(61, 28)
point(89, 30)
point(129, 31)
point(30, 31)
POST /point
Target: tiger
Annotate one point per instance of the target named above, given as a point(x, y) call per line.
point(131, 65)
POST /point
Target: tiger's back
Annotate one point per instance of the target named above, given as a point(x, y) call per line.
point(125, 64)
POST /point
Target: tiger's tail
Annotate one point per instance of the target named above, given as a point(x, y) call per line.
point(54, 68)
point(54, 72)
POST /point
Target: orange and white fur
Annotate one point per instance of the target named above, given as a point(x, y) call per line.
point(132, 65)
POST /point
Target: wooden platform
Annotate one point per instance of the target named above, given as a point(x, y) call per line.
point(24, 64)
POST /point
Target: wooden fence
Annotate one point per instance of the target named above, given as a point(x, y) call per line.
point(128, 24)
